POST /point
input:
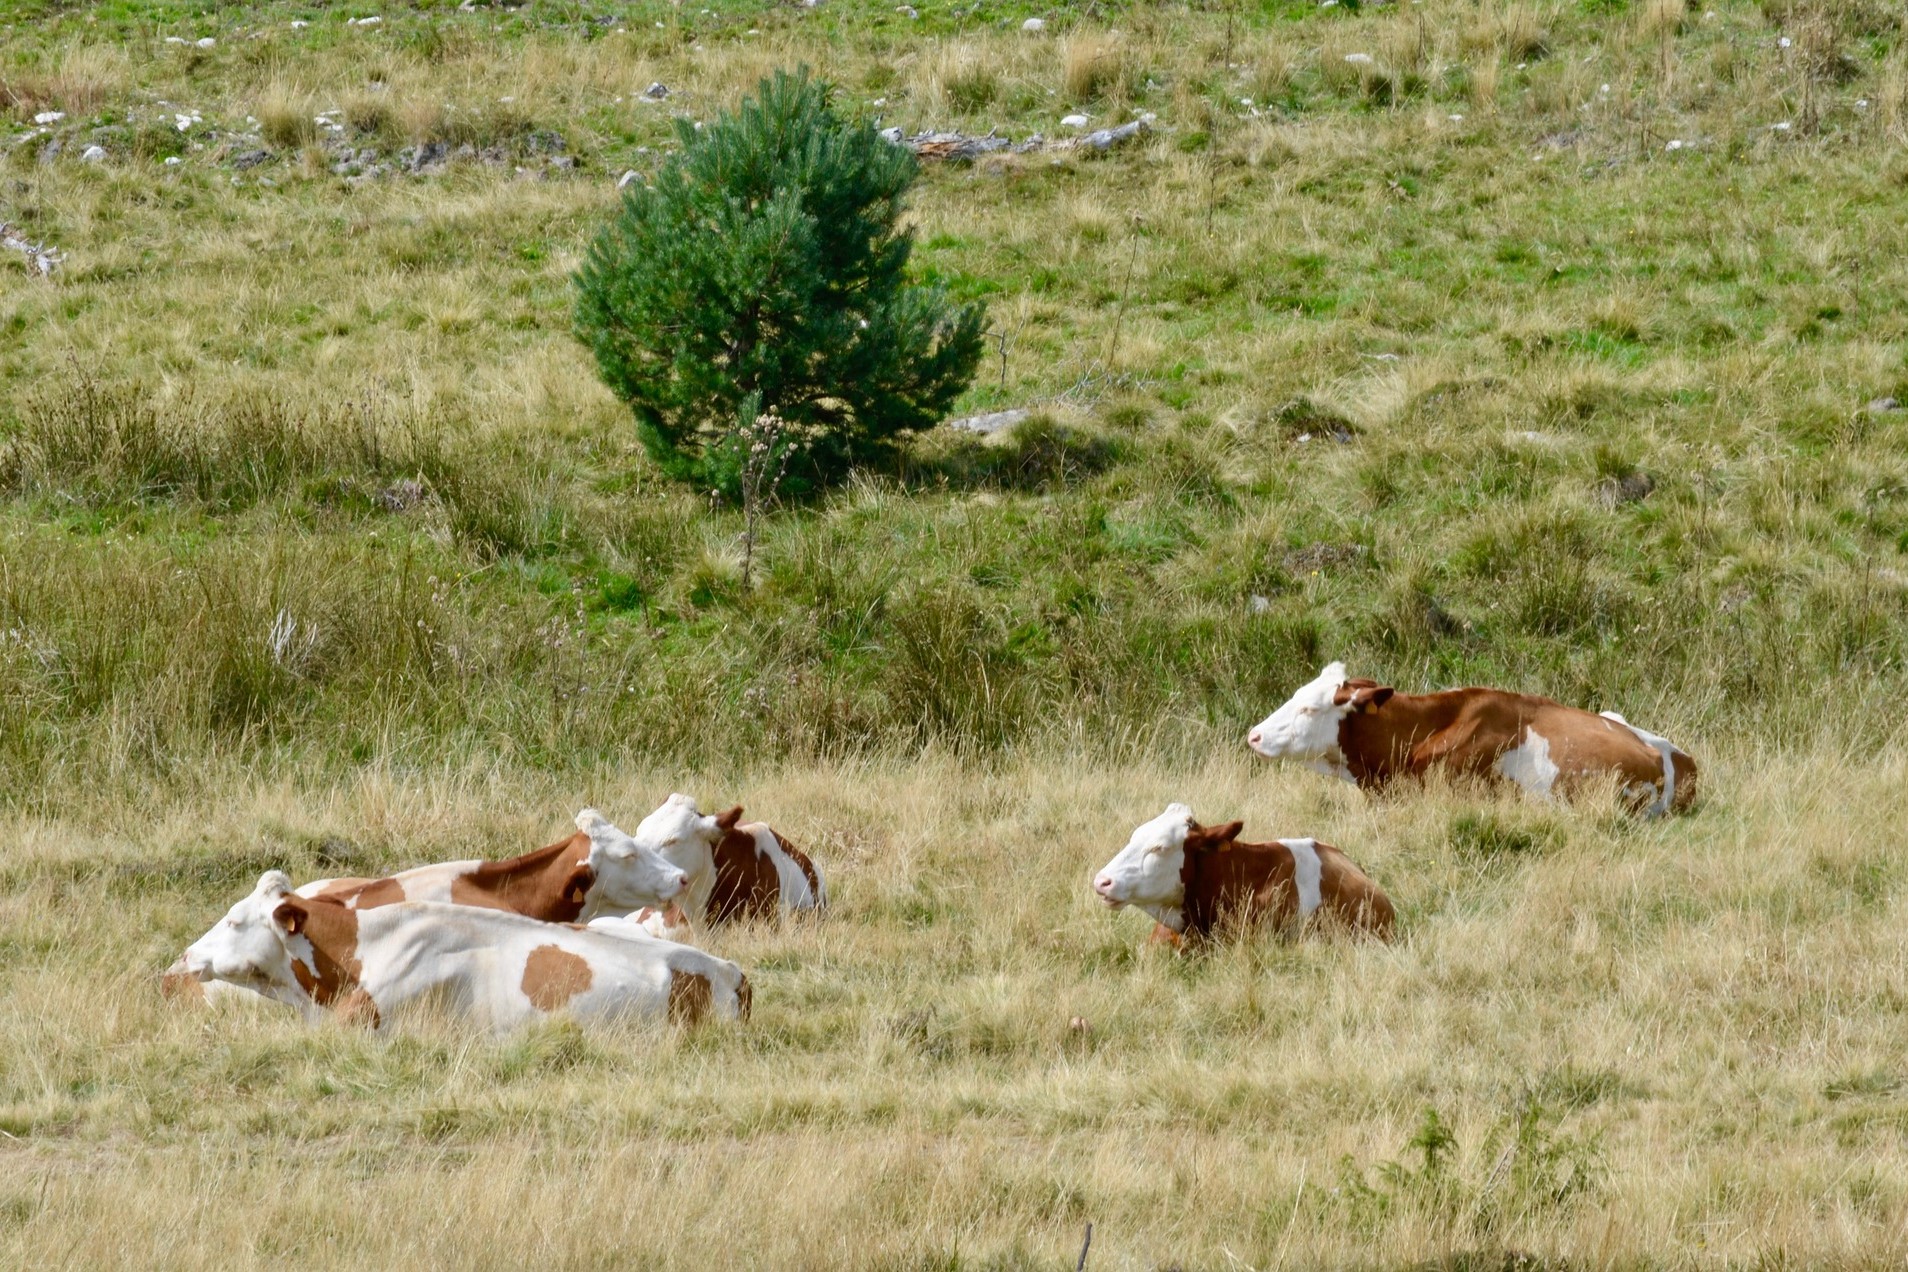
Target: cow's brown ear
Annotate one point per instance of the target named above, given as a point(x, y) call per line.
point(291, 915)
point(1362, 695)
point(726, 821)
point(577, 889)
point(1213, 838)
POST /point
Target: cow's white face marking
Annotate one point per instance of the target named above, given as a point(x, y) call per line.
point(1147, 872)
point(1529, 765)
point(1306, 872)
point(629, 874)
point(679, 831)
point(1306, 728)
point(248, 947)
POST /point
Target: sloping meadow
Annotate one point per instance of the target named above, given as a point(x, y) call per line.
point(1554, 346)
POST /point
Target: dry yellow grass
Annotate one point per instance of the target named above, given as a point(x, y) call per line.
point(1707, 1013)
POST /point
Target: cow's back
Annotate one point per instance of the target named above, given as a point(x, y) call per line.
point(1350, 895)
point(758, 873)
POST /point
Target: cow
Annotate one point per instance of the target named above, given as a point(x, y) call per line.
point(1195, 879)
point(736, 870)
point(666, 924)
point(492, 968)
point(1368, 733)
point(597, 870)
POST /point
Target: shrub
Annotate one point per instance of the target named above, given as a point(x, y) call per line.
point(766, 262)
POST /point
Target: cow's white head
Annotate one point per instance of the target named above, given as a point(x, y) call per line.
point(1150, 872)
point(255, 943)
point(684, 835)
point(1306, 727)
point(622, 873)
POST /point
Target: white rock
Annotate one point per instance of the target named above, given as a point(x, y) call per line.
point(1033, 24)
point(1784, 126)
point(49, 117)
point(175, 39)
point(173, 159)
point(299, 24)
point(1783, 43)
point(370, 21)
point(1456, 119)
point(1359, 59)
point(206, 42)
point(1257, 604)
point(993, 422)
point(657, 91)
point(1674, 143)
point(1076, 121)
point(92, 154)
point(1604, 89)
point(626, 178)
point(891, 135)
point(906, 11)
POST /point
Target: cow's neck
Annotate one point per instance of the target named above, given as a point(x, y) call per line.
point(1377, 744)
point(325, 952)
point(535, 884)
point(1172, 916)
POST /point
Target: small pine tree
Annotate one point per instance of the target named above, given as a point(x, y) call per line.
point(766, 266)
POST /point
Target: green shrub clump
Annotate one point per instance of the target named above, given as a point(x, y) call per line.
point(765, 264)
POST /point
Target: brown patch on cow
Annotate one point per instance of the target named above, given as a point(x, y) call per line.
point(332, 931)
point(746, 883)
point(551, 883)
point(552, 976)
point(690, 996)
point(358, 1008)
point(367, 896)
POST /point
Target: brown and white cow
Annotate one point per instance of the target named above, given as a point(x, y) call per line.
point(1194, 879)
point(597, 871)
point(493, 968)
point(1368, 733)
point(736, 870)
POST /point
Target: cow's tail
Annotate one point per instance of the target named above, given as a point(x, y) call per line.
point(1669, 751)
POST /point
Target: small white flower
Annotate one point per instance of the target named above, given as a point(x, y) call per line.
point(1604, 89)
point(1674, 144)
point(1783, 43)
point(1784, 126)
point(1456, 119)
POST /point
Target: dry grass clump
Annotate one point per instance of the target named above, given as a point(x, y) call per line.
point(287, 116)
point(86, 78)
point(369, 112)
point(1093, 66)
point(1661, 19)
point(958, 78)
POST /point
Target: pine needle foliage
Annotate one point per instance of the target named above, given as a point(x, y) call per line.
point(766, 260)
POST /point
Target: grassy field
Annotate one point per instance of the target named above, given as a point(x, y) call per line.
point(1532, 344)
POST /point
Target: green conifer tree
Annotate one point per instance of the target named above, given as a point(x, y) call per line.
point(766, 265)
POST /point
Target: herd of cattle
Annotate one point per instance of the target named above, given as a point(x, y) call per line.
point(602, 923)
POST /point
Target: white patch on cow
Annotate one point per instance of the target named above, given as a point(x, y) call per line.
point(1530, 765)
point(796, 894)
point(1306, 727)
point(1306, 872)
point(1147, 872)
point(1663, 747)
point(686, 839)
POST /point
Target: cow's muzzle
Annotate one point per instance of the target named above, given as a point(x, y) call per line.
point(1104, 886)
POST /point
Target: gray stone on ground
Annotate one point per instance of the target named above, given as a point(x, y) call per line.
point(92, 154)
point(1613, 492)
point(1883, 405)
point(656, 92)
point(251, 159)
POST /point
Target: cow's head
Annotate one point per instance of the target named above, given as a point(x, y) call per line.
point(1306, 727)
point(622, 873)
point(683, 834)
point(255, 943)
point(1150, 871)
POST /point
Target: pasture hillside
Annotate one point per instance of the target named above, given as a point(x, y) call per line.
point(1556, 345)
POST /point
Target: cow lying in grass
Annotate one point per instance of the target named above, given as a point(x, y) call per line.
point(495, 969)
point(598, 870)
point(1369, 733)
point(1195, 879)
point(736, 871)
